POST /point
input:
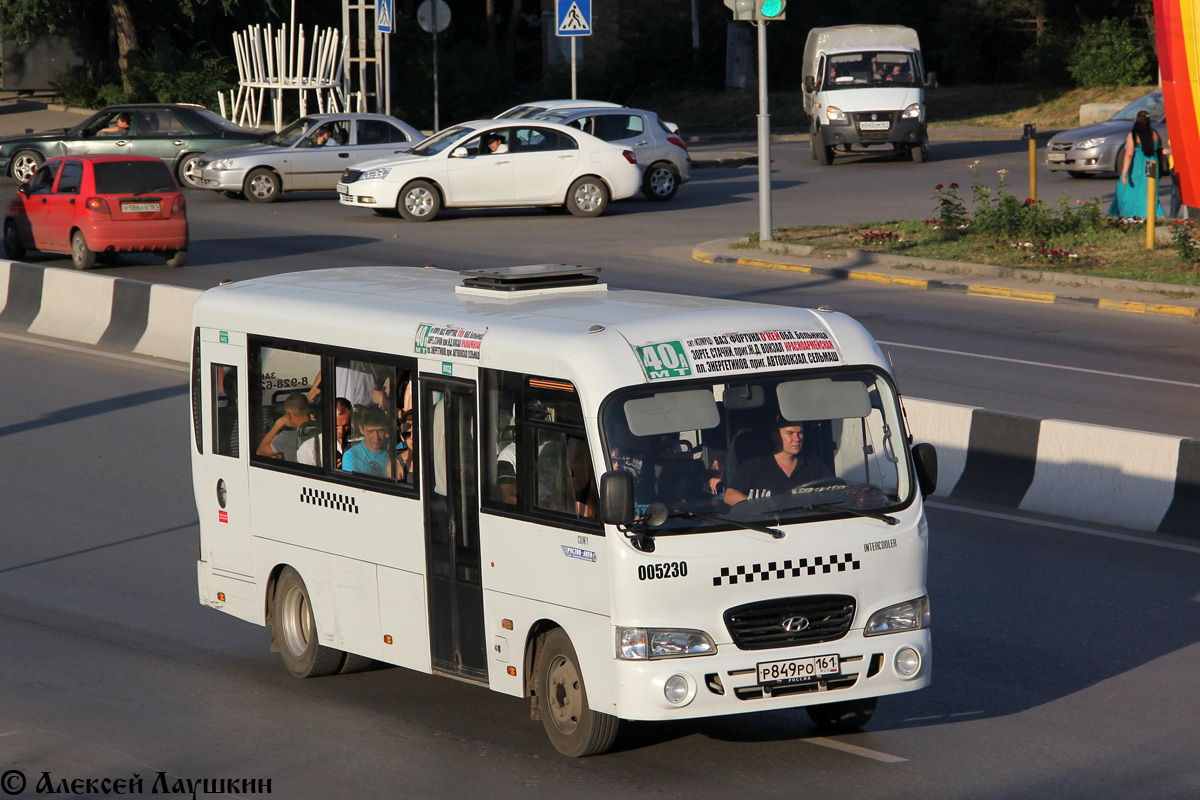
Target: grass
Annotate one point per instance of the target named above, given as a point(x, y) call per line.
point(1117, 251)
point(948, 106)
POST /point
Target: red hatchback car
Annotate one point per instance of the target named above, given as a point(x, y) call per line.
point(92, 205)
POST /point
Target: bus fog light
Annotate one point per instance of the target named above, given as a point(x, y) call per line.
point(676, 689)
point(908, 662)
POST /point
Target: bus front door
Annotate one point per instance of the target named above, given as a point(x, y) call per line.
point(455, 581)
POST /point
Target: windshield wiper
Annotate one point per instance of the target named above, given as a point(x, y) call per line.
point(706, 516)
point(858, 512)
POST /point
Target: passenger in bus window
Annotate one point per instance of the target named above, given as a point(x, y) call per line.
point(583, 483)
point(404, 445)
point(373, 455)
point(355, 385)
point(296, 412)
point(506, 474)
point(310, 450)
point(778, 472)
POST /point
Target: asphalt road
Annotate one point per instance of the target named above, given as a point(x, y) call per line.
point(1108, 368)
point(1065, 660)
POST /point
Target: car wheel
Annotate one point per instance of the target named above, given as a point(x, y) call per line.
point(847, 715)
point(823, 153)
point(587, 197)
point(573, 728)
point(261, 186)
point(13, 249)
point(82, 256)
point(419, 202)
point(185, 167)
point(25, 163)
point(920, 154)
point(177, 259)
point(295, 630)
point(661, 181)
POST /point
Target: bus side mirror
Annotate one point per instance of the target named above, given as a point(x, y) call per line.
point(616, 498)
point(931, 80)
point(925, 461)
point(809, 84)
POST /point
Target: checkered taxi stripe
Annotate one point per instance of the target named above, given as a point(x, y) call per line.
point(320, 497)
point(786, 569)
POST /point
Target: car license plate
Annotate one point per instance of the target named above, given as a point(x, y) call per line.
point(774, 673)
point(874, 126)
point(132, 207)
point(1056, 156)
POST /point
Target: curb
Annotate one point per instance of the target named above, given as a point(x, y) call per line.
point(1140, 481)
point(703, 253)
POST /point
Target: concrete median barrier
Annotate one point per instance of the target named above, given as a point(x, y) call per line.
point(1092, 473)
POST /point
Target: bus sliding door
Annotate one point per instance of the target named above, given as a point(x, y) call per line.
point(452, 528)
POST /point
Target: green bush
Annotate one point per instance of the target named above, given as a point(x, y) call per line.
point(192, 79)
point(1112, 52)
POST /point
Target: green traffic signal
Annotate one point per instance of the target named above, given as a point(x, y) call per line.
point(770, 9)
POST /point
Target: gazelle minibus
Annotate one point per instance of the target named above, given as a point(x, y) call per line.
point(622, 505)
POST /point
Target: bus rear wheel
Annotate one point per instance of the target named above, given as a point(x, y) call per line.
point(296, 630)
point(574, 729)
point(847, 715)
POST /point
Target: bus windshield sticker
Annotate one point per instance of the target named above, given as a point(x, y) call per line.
point(728, 353)
point(448, 341)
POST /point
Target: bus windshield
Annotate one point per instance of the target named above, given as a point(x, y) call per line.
point(771, 450)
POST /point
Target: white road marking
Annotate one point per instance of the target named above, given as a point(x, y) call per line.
point(1042, 364)
point(94, 351)
point(1061, 526)
point(855, 750)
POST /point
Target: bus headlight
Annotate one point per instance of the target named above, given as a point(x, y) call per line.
point(908, 661)
point(676, 689)
point(912, 112)
point(641, 644)
point(835, 114)
point(911, 615)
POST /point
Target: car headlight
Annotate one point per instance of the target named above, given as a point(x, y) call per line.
point(640, 644)
point(912, 112)
point(911, 615)
point(376, 174)
point(221, 163)
point(1088, 144)
point(835, 114)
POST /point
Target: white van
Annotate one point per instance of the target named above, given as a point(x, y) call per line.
point(554, 489)
point(864, 86)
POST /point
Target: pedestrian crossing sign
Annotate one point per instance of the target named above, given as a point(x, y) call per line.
point(574, 17)
point(383, 16)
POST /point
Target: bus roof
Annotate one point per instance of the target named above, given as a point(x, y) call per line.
point(590, 334)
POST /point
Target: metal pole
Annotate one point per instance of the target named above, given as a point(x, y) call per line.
point(387, 74)
point(574, 96)
point(764, 141)
point(1151, 200)
point(1033, 169)
point(436, 126)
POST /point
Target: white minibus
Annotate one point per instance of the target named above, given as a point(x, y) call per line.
point(622, 505)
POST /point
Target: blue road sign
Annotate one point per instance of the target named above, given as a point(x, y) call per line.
point(383, 15)
point(574, 17)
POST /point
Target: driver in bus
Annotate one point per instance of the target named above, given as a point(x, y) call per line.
point(778, 472)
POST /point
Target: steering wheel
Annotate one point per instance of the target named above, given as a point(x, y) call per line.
point(821, 483)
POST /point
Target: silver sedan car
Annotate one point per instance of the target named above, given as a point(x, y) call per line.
point(1100, 147)
point(311, 153)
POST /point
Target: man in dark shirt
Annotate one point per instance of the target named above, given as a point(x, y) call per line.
point(778, 473)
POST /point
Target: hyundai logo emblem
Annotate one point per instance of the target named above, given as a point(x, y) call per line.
point(795, 624)
point(874, 116)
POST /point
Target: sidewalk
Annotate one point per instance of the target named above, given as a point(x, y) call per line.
point(978, 280)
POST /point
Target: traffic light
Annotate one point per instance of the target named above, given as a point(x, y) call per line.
point(763, 10)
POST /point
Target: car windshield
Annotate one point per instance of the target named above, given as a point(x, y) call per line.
point(291, 134)
point(133, 177)
point(440, 141)
point(1152, 102)
point(840, 433)
point(555, 116)
point(870, 69)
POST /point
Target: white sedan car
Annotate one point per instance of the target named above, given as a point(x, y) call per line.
point(495, 163)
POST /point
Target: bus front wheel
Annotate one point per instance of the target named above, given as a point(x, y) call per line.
point(296, 630)
point(574, 729)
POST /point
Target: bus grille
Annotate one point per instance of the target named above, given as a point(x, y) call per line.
point(760, 626)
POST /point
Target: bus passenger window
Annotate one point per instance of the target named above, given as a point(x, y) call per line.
point(502, 445)
point(280, 413)
point(563, 474)
point(225, 410)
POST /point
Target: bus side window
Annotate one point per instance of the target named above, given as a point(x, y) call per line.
point(502, 444)
point(280, 411)
point(225, 410)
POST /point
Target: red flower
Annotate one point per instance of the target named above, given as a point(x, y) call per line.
point(937, 188)
point(954, 186)
point(1028, 201)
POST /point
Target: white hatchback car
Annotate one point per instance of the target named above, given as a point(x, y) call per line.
point(495, 163)
point(661, 152)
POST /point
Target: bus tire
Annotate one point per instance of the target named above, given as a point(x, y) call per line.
point(356, 663)
point(296, 630)
point(847, 715)
point(573, 728)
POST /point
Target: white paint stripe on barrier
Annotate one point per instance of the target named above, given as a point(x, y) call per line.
point(75, 306)
point(168, 329)
point(4, 270)
point(1107, 475)
point(947, 427)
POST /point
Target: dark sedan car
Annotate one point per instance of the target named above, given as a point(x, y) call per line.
point(177, 133)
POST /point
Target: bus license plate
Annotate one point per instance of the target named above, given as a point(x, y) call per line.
point(874, 126)
point(774, 673)
point(131, 207)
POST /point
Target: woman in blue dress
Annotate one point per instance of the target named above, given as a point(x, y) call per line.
point(1141, 145)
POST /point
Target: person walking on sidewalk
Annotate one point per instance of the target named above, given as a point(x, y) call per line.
point(1141, 145)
